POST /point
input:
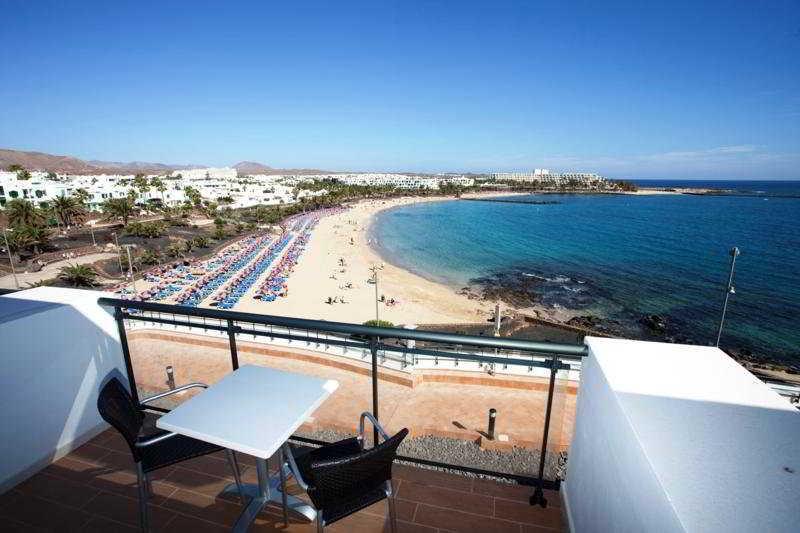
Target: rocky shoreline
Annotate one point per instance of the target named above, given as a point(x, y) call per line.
point(527, 295)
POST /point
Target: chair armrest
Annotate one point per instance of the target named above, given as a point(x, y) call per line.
point(375, 423)
point(173, 391)
point(289, 458)
point(154, 440)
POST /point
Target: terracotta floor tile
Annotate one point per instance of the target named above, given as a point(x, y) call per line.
point(405, 509)
point(90, 453)
point(74, 470)
point(359, 523)
point(197, 481)
point(210, 465)
point(205, 507)
point(528, 514)
point(125, 484)
point(99, 524)
point(441, 497)
point(12, 526)
point(410, 527)
point(42, 513)
point(95, 490)
point(508, 491)
point(462, 522)
point(432, 477)
point(529, 528)
point(113, 441)
point(126, 510)
point(271, 521)
point(187, 524)
point(104, 436)
point(120, 461)
point(65, 492)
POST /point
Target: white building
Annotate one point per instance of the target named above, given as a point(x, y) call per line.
point(546, 177)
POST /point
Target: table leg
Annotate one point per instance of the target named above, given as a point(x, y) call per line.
point(267, 490)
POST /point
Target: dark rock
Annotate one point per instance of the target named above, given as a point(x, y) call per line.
point(654, 323)
point(584, 321)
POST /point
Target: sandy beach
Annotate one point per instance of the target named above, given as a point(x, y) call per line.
point(337, 264)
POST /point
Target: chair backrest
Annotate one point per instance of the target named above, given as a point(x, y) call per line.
point(117, 407)
point(336, 481)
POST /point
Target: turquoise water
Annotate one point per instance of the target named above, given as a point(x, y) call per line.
point(622, 257)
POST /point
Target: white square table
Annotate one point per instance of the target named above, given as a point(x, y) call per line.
point(253, 410)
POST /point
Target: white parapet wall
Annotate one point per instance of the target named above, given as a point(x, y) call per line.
point(679, 438)
point(56, 348)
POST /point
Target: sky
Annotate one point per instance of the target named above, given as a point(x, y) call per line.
point(630, 90)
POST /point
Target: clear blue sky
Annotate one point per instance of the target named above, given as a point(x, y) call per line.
point(695, 89)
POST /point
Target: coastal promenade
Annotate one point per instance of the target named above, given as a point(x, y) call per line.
point(430, 401)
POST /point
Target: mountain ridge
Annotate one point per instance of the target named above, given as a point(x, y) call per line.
point(34, 160)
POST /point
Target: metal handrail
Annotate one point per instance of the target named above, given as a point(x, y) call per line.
point(500, 343)
point(368, 337)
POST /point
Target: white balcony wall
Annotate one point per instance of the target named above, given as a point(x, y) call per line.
point(679, 438)
point(56, 347)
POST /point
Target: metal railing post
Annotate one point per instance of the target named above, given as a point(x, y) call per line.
point(126, 354)
point(538, 494)
point(232, 341)
point(373, 348)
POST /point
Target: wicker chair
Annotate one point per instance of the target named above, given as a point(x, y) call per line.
point(157, 450)
point(342, 478)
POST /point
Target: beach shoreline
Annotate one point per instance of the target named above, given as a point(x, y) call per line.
point(418, 299)
point(338, 263)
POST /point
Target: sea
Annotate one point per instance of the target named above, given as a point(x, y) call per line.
point(622, 258)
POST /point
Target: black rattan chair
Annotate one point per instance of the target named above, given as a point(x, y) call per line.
point(160, 448)
point(342, 478)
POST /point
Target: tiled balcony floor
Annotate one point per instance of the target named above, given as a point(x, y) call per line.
point(94, 489)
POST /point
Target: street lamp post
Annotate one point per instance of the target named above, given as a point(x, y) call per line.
point(375, 279)
point(10, 258)
point(130, 266)
point(91, 228)
point(119, 253)
point(729, 289)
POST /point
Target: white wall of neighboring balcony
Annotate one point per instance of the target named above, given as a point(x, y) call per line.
point(56, 347)
point(679, 438)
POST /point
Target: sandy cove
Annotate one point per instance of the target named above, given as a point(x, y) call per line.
point(418, 300)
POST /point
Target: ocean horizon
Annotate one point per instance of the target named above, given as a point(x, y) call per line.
point(623, 257)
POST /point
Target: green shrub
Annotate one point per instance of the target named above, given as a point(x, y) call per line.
point(150, 257)
point(379, 323)
point(201, 242)
point(149, 230)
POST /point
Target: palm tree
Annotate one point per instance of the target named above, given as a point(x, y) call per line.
point(67, 209)
point(17, 241)
point(193, 195)
point(141, 184)
point(23, 213)
point(36, 236)
point(158, 184)
point(78, 275)
point(123, 208)
point(82, 195)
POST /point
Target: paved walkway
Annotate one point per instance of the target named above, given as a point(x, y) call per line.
point(50, 270)
point(444, 403)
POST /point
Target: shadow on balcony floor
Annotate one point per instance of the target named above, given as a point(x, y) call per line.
point(94, 489)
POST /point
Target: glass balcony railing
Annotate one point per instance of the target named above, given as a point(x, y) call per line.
point(492, 406)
